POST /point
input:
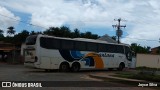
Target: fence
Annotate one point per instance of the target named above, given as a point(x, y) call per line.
point(148, 60)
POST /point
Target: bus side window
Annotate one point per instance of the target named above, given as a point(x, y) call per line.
point(120, 49)
point(49, 43)
point(102, 48)
point(111, 48)
point(56, 43)
point(67, 44)
point(79, 45)
point(92, 47)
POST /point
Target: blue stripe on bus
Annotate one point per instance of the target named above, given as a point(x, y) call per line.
point(70, 55)
point(76, 54)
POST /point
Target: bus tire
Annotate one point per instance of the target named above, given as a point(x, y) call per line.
point(64, 67)
point(110, 69)
point(75, 67)
point(121, 66)
point(48, 70)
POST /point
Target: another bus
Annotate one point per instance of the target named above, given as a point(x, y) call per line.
point(49, 52)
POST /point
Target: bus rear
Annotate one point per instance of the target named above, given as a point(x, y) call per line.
point(30, 51)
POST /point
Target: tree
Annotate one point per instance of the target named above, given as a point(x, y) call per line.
point(139, 49)
point(75, 34)
point(33, 33)
point(148, 49)
point(114, 38)
point(89, 35)
point(66, 32)
point(1, 31)
point(21, 37)
point(11, 30)
point(1, 35)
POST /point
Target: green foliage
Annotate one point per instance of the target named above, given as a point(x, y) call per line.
point(139, 76)
point(1, 31)
point(139, 49)
point(53, 31)
point(1, 34)
point(76, 33)
point(1, 37)
point(66, 32)
point(21, 37)
point(147, 68)
point(58, 32)
point(11, 30)
point(114, 38)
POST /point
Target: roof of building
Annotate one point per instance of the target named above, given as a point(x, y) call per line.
point(156, 47)
point(6, 46)
point(107, 38)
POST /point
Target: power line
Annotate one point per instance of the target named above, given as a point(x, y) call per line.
point(119, 32)
point(142, 39)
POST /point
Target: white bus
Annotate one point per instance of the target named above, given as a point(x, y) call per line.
point(49, 52)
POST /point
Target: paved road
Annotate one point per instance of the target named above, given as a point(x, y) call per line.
point(20, 73)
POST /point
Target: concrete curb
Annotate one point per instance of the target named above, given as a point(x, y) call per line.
point(116, 78)
point(119, 80)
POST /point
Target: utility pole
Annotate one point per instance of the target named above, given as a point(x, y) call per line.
point(119, 32)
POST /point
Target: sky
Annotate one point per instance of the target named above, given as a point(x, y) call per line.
point(141, 17)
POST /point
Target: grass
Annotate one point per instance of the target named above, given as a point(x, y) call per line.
point(147, 68)
point(140, 76)
point(132, 75)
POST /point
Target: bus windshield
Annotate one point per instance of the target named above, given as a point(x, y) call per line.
point(31, 40)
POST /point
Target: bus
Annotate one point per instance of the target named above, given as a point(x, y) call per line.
point(74, 54)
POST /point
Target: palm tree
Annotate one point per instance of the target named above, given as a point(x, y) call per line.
point(11, 30)
point(76, 33)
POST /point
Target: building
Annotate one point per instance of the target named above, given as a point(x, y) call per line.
point(6, 47)
point(5, 50)
point(9, 52)
point(155, 50)
point(107, 39)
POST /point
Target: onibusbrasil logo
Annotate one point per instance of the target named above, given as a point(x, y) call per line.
point(20, 84)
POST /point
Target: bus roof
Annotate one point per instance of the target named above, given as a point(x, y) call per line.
point(82, 39)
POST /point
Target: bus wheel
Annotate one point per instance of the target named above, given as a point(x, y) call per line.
point(75, 67)
point(110, 69)
point(64, 67)
point(121, 66)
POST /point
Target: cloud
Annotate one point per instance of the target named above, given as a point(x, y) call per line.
point(142, 15)
point(58, 12)
point(5, 22)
